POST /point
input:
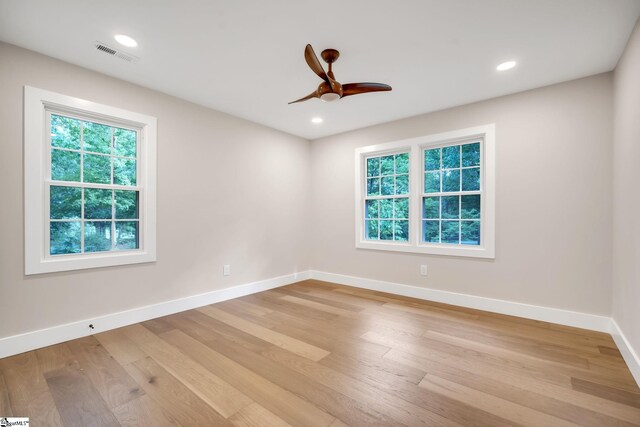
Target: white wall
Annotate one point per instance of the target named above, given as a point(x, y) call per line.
point(626, 192)
point(553, 211)
point(229, 192)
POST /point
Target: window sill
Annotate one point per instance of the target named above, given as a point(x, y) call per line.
point(71, 262)
point(447, 250)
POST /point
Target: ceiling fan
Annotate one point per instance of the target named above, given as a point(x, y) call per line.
point(330, 89)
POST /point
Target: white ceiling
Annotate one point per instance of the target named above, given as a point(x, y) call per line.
point(245, 57)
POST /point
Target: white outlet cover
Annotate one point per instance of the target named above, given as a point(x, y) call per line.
point(226, 270)
point(423, 270)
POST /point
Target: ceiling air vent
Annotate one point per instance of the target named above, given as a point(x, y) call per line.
point(115, 52)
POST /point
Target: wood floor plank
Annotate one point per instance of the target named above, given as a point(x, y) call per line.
point(222, 397)
point(143, 411)
point(173, 396)
point(107, 376)
point(28, 391)
point(504, 408)
point(468, 358)
point(5, 403)
point(576, 367)
point(120, 347)
point(606, 392)
point(611, 351)
point(77, 400)
point(333, 401)
point(281, 402)
point(55, 357)
point(319, 306)
point(585, 401)
point(525, 395)
point(399, 410)
point(255, 415)
point(398, 385)
point(291, 344)
point(311, 296)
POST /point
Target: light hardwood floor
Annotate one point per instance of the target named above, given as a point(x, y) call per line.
point(318, 354)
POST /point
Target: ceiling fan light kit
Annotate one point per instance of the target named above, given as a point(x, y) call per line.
point(330, 89)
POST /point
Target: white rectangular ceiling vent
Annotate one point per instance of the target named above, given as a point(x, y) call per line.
point(115, 52)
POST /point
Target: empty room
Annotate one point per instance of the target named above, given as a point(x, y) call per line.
point(292, 213)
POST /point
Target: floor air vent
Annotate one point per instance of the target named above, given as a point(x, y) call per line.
point(115, 52)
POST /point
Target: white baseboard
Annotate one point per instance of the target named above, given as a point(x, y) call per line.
point(628, 353)
point(535, 312)
point(56, 334)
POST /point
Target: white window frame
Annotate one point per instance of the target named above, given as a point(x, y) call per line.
point(38, 106)
point(415, 147)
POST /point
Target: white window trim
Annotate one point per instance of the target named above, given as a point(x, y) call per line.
point(415, 147)
point(36, 104)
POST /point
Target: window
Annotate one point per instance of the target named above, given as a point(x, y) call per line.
point(451, 196)
point(387, 197)
point(89, 184)
point(433, 194)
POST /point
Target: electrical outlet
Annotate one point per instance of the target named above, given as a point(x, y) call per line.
point(423, 270)
point(226, 270)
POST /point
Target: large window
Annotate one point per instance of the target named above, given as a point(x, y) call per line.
point(89, 184)
point(433, 194)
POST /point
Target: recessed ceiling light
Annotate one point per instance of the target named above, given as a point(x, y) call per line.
point(126, 40)
point(317, 120)
point(506, 66)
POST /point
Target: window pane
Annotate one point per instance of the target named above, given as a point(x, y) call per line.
point(402, 184)
point(471, 207)
point(373, 187)
point(65, 165)
point(451, 180)
point(97, 169)
point(471, 154)
point(431, 207)
point(432, 159)
point(124, 142)
point(127, 204)
point(65, 238)
point(127, 236)
point(450, 231)
point(387, 185)
point(470, 233)
point(401, 230)
point(431, 231)
point(373, 166)
point(97, 203)
point(386, 165)
point(371, 228)
point(432, 182)
point(402, 163)
point(451, 157)
point(386, 230)
point(471, 179)
point(401, 208)
point(97, 138)
point(386, 208)
point(371, 209)
point(65, 132)
point(124, 171)
point(97, 236)
point(450, 207)
point(65, 202)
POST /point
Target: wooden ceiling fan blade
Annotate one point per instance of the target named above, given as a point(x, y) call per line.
point(314, 63)
point(313, 94)
point(349, 89)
